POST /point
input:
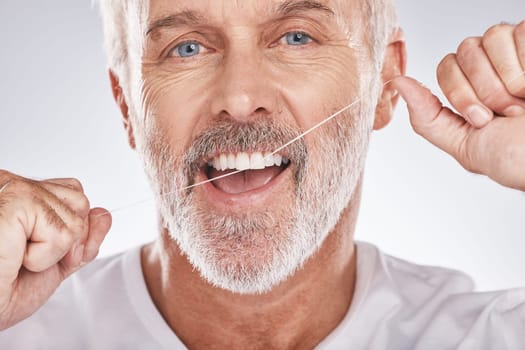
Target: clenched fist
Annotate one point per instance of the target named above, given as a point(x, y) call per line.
point(485, 82)
point(47, 232)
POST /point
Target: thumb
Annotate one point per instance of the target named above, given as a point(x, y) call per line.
point(437, 124)
point(83, 252)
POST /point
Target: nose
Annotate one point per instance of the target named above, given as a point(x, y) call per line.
point(244, 87)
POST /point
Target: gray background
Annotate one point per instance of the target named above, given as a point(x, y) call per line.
point(57, 119)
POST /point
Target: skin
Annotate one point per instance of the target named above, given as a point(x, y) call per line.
point(487, 72)
point(48, 229)
point(48, 232)
point(183, 97)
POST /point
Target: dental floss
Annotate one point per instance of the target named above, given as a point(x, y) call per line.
point(295, 139)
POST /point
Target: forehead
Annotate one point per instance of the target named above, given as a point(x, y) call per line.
point(238, 11)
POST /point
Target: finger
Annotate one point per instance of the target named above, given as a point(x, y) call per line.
point(72, 183)
point(73, 259)
point(54, 214)
point(39, 218)
point(519, 39)
point(52, 238)
point(499, 44)
point(12, 250)
point(477, 68)
point(71, 196)
point(437, 124)
point(99, 224)
point(50, 226)
point(85, 251)
point(461, 94)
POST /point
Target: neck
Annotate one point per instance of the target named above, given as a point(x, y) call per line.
point(298, 313)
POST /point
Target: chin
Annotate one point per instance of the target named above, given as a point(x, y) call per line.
point(247, 253)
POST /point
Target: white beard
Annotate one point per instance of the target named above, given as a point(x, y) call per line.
point(252, 253)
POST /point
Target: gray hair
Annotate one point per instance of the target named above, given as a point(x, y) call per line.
point(381, 25)
point(121, 17)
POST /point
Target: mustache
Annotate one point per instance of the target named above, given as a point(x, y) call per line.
point(228, 136)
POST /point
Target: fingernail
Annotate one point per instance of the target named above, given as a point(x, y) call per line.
point(478, 115)
point(514, 111)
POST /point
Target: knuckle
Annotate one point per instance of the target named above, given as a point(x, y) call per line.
point(32, 264)
point(495, 100)
point(4, 174)
point(468, 46)
point(444, 67)
point(75, 183)
point(446, 62)
point(504, 67)
point(65, 241)
point(515, 88)
point(494, 32)
point(84, 205)
point(520, 29)
point(77, 225)
point(456, 95)
point(36, 262)
point(19, 185)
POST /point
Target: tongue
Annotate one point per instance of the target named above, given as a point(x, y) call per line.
point(245, 181)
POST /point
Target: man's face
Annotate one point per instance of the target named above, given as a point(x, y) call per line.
point(224, 83)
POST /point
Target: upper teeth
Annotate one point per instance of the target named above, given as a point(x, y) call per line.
point(245, 161)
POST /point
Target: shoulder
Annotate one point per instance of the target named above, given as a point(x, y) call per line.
point(412, 283)
point(406, 305)
point(488, 320)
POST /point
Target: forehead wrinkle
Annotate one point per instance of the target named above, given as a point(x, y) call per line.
point(174, 20)
point(192, 17)
point(290, 7)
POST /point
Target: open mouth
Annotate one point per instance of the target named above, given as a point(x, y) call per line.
point(257, 169)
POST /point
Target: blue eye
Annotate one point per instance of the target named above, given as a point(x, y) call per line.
point(297, 38)
point(187, 49)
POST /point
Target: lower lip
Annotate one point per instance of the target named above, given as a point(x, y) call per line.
point(256, 197)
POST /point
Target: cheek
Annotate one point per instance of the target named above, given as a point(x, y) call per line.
point(319, 87)
point(174, 104)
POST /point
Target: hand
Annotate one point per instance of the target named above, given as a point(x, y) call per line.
point(485, 82)
point(47, 232)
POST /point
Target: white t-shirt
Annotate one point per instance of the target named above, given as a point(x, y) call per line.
point(396, 305)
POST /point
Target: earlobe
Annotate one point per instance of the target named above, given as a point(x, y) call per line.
point(120, 99)
point(394, 65)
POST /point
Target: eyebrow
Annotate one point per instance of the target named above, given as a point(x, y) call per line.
point(183, 18)
point(290, 7)
point(189, 17)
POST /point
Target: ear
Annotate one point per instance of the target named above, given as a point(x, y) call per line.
point(120, 99)
point(394, 65)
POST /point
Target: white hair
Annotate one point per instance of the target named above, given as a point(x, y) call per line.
point(381, 25)
point(124, 24)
